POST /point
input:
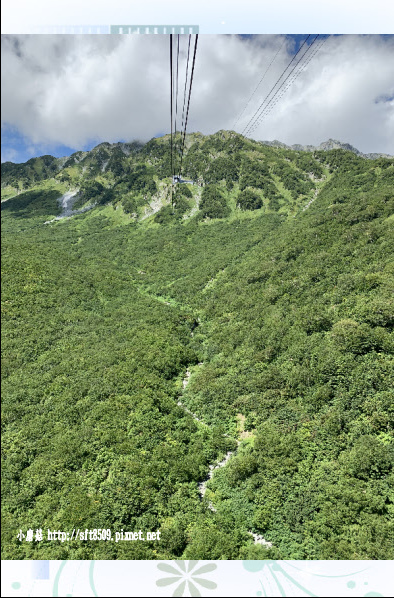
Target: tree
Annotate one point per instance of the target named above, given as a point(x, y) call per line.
point(248, 200)
point(213, 204)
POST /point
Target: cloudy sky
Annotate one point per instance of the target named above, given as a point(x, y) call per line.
point(61, 93)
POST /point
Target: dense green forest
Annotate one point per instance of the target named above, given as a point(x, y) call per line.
point(143, 340)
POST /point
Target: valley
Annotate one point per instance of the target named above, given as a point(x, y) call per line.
point(218, 367)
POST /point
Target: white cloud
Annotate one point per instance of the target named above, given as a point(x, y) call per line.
point(73, 89)
point(9, 155)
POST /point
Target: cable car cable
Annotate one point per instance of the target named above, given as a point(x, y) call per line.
point(188, 103)
point(265, 111)
point(176, 98)
point(273, 93)
point(282, 75)
point(253, 126)
point(171, 90)
point(185, 94)
point(295, 76)
point(259, 83)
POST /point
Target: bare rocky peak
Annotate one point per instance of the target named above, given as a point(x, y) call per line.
point(330, 144)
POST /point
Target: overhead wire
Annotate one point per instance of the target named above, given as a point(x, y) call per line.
point(299, 62)
point(176, 101)
point(177, 145)
point(184, 92)
point(188, 103)
point(262, 111)
point(259, 83)
point(171, 101)
point(278, 85)
point(275, 99)
point(272, 89)
point(295, 76)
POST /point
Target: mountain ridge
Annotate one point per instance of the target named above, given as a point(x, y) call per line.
point(128, 146)
point(231, 174)
point(328, 145)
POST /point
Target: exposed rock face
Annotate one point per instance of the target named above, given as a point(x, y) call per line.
point(325, 146)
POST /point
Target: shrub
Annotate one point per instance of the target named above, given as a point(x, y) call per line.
point(368, 458)
point(348, 335)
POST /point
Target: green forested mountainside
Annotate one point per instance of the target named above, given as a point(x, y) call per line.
point(271, 282)
point(24, 175)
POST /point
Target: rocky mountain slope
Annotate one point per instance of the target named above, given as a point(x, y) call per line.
point(230, 173)
point(326, 146)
